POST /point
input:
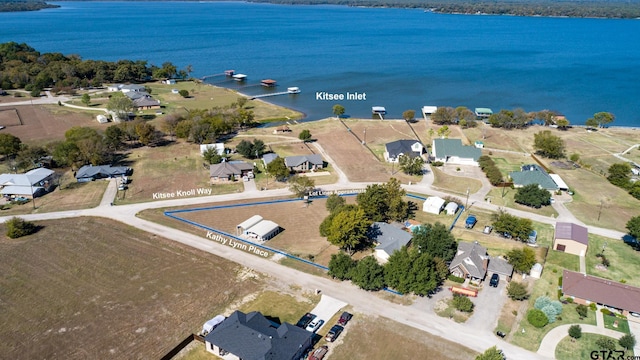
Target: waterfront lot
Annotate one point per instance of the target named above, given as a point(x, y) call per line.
point(94, 288)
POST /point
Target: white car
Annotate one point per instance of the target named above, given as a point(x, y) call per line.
point(315, 325)
point(635, 314)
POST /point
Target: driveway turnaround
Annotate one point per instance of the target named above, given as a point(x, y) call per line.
point(327, 307)
point(553, 337)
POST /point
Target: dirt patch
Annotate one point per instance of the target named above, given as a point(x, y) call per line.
point(561, 164)
point(44, 123)
point(94, 288)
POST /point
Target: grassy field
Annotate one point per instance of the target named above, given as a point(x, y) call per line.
point(624, 260)
point(171, 168)
point(455, 184)
point(203, 96)
point(582, 348)
point(94, 288)
point(380, 338)
point(497, 198)
point(622, 324)
point(281, 307)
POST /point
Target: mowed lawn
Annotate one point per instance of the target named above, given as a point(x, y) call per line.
point(92, 288)
point(171, 168)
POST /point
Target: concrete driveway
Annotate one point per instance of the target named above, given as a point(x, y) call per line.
point(488, 305)
point(634, 327)
point(326, 308)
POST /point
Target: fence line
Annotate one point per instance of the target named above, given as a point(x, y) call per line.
point(173, 352)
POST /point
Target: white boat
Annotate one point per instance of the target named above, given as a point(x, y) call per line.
point(239, 77)
point(293, 90)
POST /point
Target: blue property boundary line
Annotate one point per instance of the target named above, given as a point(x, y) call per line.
point(171, 213)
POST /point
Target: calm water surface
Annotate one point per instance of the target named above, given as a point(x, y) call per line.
point(402, 59)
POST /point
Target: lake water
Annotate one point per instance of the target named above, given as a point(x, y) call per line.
point(401, 59)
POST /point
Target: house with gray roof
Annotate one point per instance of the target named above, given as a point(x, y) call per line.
point(31, 184)
point(533, 174)
point(229, 171)
point(267, 158)
point(571, 238)
point(90, 172)
point(451, 151)
point(395, 149)
point(500, 266)
point(304, 162)
point(389, 238)
point(253, 337)
point(471, 261)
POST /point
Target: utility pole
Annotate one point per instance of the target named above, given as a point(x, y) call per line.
point(466, 204)
point(364, 142)
point(600, 210)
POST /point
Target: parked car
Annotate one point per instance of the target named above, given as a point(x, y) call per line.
point(319, 353)
point(470, 222)
point(314, 325)
point(487, 229)
point(495, 279)
point(344, 318)
point(305, 320)
point(635, 314)
point(333, 334)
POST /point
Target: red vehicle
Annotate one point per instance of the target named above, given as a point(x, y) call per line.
point(319, 353)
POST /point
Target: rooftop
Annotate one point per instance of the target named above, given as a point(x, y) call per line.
point(572, 231)
point(602, 291)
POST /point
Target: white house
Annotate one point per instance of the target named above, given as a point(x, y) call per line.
point(433, 205)
point(169, 81)
point(395, 149)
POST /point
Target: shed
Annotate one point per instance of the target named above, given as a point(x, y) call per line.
point(433, 205)
point(571, 238)
point(264, 230)
point(451, 208)
point(211, 324)
point(102, 119)
point(536, 271)
point(245, 225)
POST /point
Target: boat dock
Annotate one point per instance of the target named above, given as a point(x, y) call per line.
point(271, 94)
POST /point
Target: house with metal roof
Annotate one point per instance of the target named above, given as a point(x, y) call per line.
point(253, 337)
point(91, 172)
point(219, 148)
point(532, 174)
point(483, 113)
point(586, 289)
point(571, 238)
point(433, 205)
point(451, 151)
point(389, 238)
point(31, 184)
point(395, 149)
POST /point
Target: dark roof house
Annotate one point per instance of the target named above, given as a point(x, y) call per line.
point(470, 261)
point(252, 337)
point(304, 162)
point(587, 288)
point(410, 148)
point(229, 170)
point(90, 172)
point(389, 238)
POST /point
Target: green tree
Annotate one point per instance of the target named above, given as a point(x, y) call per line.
point(409, 115)
point(533, 195)
point(374, 202)
point(491, 353)
point(9, 145)
point(121, 105)
point(338, 110)
point(435, 240)
point(397, 208)
point(507, 224)
point(348, 229)
point(627, 341)
point(462, 303)
point(30, 157)
point(341, 265)
point(66, 153)
point(184, 93)
point(18, 227)
point(278, 169)
point(582, 311)
point(301, 185)
point(575, 331)
point(606, 343)
point(146, 133)
point(517, 291)
point(398, 270)
point(335, 202)
point(86, 99)
point(444, 115)
point(211, 156)
point(444, 131)
point(522, 259)
point(305, 135)
point(620, 174)
point(368, 274)
point(537, 318)
point(411, 165)
point(633, 226)
point(548, 145)
point(591, 123)
point(113, 137)
point(604, 118)
point(251, 150)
